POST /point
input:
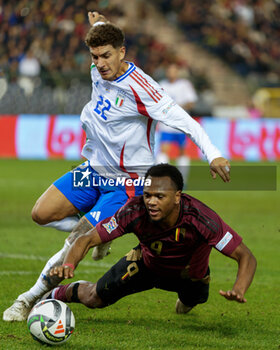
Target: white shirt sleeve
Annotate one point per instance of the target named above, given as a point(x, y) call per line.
point(161, 107)
point(173, 115)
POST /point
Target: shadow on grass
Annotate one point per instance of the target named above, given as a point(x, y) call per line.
point(178, 323)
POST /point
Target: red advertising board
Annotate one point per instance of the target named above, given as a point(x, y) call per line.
point(41, 136)
point(61, 136)
point(7, 136)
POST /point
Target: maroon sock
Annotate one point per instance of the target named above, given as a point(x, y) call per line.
point(60, 292)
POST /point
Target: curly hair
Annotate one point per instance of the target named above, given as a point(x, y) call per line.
point(105, 34)
point(161, 170)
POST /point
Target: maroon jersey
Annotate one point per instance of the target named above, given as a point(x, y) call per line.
point(183, 249)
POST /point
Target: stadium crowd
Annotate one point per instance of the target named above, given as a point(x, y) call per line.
point(50, 35)
point(45, 61)
point(244, 33)
point(42, 47)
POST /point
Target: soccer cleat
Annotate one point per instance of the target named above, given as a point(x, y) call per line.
point(181, 308)
point(101, 250)
point(19, 311)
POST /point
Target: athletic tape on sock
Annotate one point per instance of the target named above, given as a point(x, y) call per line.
point(75, 297)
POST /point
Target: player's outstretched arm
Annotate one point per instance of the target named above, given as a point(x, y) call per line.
point(246, 269)
point(76, 253)
point(177, 118)
point(221, 167)
point(94, 17)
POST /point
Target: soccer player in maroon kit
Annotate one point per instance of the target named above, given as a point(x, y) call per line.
point(176, 234)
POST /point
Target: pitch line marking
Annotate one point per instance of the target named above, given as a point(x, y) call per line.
point(44, 259)
point(35, 273)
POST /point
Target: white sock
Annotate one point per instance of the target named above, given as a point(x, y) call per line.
point(67, 224)
point(45, 283)
point(183, 163)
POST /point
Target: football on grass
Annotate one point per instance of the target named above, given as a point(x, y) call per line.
point(51, 321)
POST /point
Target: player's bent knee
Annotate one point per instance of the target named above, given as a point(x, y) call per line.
point(52, 206)
point(39, 216)
point(202, 297)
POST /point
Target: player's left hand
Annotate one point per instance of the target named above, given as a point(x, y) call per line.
point(221, 167)
point(62, 271)
point(233, 295)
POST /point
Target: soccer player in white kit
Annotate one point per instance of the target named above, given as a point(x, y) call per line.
point(119, 122)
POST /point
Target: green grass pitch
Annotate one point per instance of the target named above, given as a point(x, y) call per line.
point(146, 320)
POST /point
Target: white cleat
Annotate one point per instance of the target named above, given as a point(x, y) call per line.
point(100, 251)
point(181, 308)
point(19, 311)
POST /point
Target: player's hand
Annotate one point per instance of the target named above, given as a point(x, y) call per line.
point(233, 295)
point(221, 167)
point(62, 271)
point(94, 17)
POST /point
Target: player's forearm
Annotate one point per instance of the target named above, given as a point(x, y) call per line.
point(80, 247)
point(246, 270)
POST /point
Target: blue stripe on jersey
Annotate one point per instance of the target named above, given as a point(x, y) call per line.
point(130, 70)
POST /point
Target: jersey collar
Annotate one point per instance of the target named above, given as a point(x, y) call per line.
point(127, 73)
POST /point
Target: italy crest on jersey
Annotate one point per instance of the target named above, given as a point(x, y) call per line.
point(119, 99)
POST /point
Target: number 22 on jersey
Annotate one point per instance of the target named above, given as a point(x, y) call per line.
point(102, 106)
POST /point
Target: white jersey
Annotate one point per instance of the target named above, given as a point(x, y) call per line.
point(182, 92)
point(120, 121)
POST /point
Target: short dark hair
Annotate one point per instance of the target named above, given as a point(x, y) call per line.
point(105, 34)
point(164, 169)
